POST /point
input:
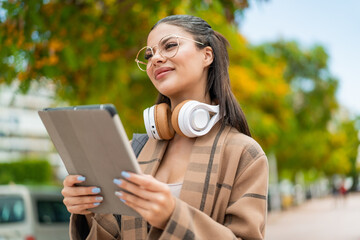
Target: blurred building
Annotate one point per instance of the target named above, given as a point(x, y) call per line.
point(22, 134)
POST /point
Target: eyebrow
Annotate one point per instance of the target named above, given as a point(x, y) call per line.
point(160, 40)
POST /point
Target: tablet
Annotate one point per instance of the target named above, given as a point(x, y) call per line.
point(92, 142)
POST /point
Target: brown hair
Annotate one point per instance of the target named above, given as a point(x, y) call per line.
point(218, 82)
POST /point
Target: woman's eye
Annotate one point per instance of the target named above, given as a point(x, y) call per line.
point(148, 56)
point(171, 45)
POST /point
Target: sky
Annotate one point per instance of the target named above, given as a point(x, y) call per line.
point(334, 24)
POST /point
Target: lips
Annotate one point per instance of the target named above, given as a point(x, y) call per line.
point(159, 72)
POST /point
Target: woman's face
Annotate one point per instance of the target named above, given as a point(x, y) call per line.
point(183, 76)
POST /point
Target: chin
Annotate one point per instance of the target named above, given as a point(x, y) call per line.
point(167, 89)
point(166, 93)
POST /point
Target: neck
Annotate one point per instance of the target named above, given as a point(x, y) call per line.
point(175, 101)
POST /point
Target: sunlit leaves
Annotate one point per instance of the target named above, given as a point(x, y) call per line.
point(87, 48)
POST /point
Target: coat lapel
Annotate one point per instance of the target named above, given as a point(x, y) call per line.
point(199, 186)
point(150, 157)
point(200, 180)
point(149, 161)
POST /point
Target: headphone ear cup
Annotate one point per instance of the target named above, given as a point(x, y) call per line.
point(175, 118)
point(162, 114)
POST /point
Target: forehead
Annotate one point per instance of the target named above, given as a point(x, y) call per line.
point(163, 30)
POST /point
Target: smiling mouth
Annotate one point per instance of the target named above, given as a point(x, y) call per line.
point(161, 73)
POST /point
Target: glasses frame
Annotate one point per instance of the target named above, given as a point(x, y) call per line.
point(138, 62)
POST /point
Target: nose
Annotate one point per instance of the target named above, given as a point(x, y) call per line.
point(157, 58)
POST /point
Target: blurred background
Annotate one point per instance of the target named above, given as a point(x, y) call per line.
point(292, 69)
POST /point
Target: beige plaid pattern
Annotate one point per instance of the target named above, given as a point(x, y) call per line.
point(223, 195)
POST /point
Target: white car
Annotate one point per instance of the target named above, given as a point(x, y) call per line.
point(29, 213)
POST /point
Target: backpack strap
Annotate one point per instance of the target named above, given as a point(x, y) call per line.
point(137, 144)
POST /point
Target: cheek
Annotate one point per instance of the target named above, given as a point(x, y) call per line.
point(190, 59)
point(149, 73)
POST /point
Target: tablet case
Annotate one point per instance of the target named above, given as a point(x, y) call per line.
point(92, 142)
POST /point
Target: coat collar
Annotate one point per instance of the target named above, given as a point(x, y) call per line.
point(200, 179)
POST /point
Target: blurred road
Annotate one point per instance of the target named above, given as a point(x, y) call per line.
point(318, 219)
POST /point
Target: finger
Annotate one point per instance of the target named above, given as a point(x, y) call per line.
point(71, 201)
point(146, 181)
point(142, 211)
point(156, 205)
point(134, 189)
point(130, 198)
point(147, 209)
point(71, 180)
point(79, 191)
point(82, 208)
point(138, 204)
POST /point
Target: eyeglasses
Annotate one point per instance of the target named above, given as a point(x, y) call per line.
point(168, 47)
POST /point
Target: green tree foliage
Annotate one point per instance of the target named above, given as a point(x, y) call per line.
point(26, 171)
point(314, 136)
point(312, 101)
point(87, 48)
point(343, 144)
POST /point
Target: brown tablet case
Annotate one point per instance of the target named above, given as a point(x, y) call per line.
point(92, 142)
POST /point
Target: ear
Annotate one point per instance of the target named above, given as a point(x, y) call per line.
point(208, 56)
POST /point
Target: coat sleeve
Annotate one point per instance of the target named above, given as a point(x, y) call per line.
point(245, 215)
point(94, 226)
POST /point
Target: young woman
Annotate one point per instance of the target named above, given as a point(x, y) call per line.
point(207, 186)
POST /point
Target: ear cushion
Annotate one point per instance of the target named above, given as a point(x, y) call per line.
point(175, 117)
point(162, 115)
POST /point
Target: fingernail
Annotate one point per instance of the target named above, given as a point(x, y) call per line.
point(97, 204)
point(99, 198)
point(122, 200)
point(81, 178)
point(119, 194)
point(125, 174)
point(117, 181)
point(95, 190)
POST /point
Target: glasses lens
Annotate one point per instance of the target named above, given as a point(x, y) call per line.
point(143, 57)
point(169, 46)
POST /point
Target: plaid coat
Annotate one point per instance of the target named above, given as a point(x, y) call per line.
point(224, 194)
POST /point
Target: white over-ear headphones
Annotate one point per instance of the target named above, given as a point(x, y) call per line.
point(190, 119)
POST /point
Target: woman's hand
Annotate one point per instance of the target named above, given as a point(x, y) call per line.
point(151, 198)
point(79, 199)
